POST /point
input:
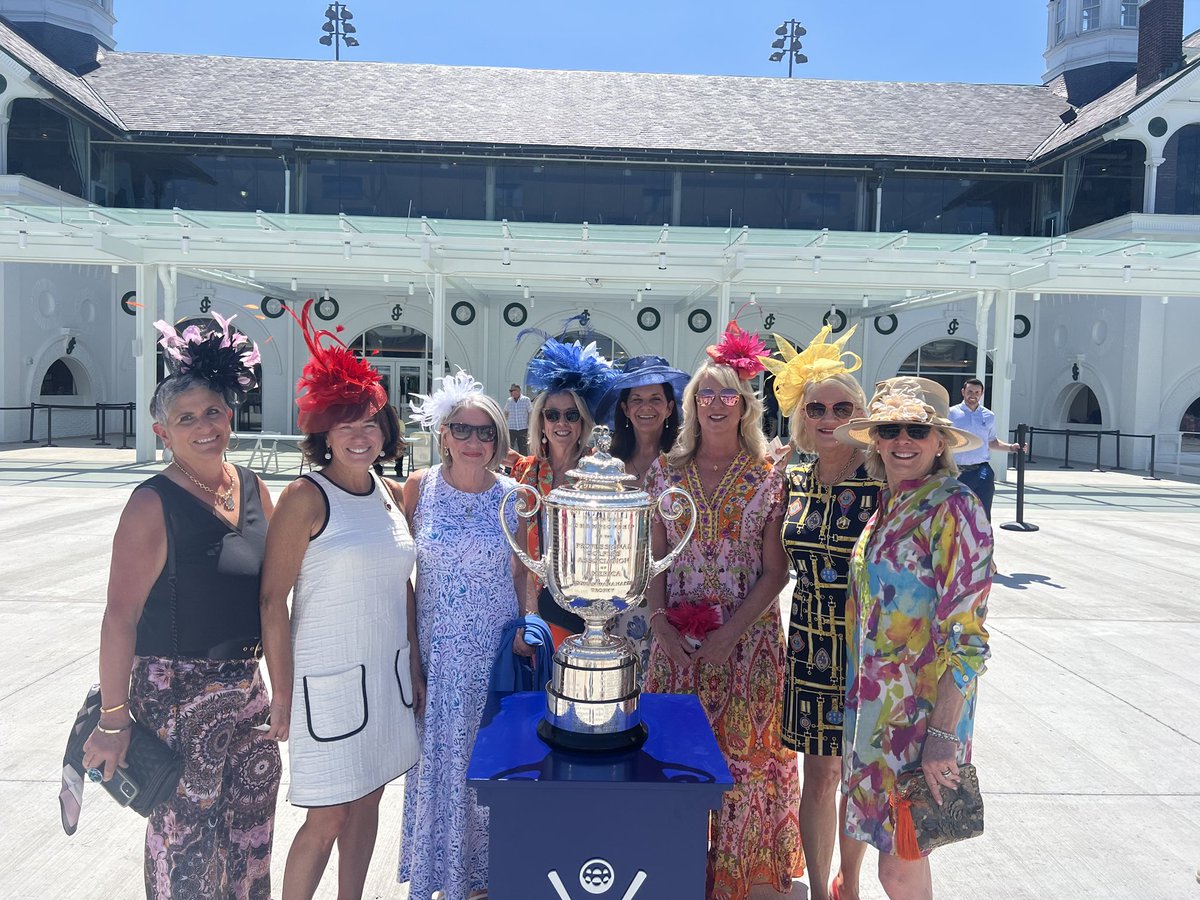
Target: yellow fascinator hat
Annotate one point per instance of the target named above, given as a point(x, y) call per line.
point(816, 362)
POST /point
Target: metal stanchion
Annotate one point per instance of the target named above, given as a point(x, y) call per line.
point(1067, 450)
point(49, 427)
point(126, 429)
point(102, 415)
point(1153, 443)
point(1031, 432)
point(1020, 524)
point(32, 409)
point(1117, 467)
point(1099, 441)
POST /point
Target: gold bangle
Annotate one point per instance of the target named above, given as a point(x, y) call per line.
point(100, 728)
point(104, 710)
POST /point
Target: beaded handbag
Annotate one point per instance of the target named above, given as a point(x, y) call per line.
point(921, 825)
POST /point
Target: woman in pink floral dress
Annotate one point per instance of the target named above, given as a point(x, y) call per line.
point(734, 562)
point(919, 581)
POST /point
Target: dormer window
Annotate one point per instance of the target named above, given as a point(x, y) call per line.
point(1129, 14)
point(1090, 20)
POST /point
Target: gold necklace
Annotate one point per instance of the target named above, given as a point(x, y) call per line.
point(827, 489)
point(225, 497)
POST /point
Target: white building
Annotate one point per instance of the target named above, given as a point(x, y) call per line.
point(446, 208)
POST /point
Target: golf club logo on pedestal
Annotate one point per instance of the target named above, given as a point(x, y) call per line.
point(596, 562)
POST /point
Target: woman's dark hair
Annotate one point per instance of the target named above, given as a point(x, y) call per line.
point(315, 446)
point(624, 440)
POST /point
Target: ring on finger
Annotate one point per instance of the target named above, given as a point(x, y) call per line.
point(946, 773)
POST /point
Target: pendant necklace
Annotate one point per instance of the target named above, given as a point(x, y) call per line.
point(226, 497)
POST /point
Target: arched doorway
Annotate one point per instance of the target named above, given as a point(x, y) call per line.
point(403, 356)
point(1189, 427)
point(60, 381)
point(1084, 408)
point(949, 362)
point(247, 417)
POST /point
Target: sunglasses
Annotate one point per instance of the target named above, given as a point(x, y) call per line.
point(553, 415)
point(705, 396)
point(842, 409)
point(462, 431)
point(891, 432)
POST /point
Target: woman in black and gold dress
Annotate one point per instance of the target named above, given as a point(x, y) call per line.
point(830, 499)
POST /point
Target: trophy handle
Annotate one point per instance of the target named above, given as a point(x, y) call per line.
point(670, 512)
point(526, 510)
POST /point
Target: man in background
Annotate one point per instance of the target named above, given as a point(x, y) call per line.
point(516, 411)
point(975, 471)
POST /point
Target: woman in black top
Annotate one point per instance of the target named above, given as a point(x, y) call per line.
point(181, 637)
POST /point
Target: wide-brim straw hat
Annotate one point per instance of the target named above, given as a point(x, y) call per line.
point(641, 371)
point(903, 400)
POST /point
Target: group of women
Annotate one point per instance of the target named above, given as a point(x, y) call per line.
point(373, 678)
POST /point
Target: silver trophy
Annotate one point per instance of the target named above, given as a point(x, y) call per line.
point(596, 562)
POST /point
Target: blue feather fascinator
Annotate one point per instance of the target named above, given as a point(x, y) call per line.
point(570, 367)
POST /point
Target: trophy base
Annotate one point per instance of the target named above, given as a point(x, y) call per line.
point(578, 742)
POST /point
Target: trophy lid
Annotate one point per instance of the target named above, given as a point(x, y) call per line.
point(599, 478)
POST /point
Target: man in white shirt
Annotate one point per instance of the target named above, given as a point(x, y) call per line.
point(974, 469)
point(516, 411)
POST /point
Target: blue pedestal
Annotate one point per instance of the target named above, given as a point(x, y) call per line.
point(623, 826)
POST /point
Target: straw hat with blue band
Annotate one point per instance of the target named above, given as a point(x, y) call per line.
point(640, 371)
point(907, 399)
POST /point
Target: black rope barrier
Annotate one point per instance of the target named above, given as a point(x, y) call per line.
point(127, 411)
point(1020, 524)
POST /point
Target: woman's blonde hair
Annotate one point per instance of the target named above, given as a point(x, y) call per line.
point(943, 464)
point(846, 382)
point(536, 433)
point(749, 425)
point(487, 405)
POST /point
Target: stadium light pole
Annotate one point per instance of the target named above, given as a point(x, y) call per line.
point(787, 43)
point(338, 29)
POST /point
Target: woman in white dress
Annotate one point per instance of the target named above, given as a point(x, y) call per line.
point(466, 597)
point(345, 669)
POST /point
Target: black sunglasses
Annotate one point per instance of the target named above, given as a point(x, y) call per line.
point(553, 415)
point(462, 431)
point(842, 409)
point(705, 396)
point(891, 432)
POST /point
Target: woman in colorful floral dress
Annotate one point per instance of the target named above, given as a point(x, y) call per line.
point(736, 564)
point(919, 580)
point(829, 500)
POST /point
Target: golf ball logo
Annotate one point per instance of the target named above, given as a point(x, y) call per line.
point(596, 876)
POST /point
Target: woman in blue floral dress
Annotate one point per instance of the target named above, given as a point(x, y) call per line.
point(466, 596)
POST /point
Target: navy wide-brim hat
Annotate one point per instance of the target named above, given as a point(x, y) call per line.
point(640, 371)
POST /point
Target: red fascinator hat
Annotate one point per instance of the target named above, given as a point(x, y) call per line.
point(335, 386)
point(740, 350)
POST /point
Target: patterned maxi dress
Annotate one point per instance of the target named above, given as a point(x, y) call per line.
point(755, 836)
point(920, 577)
point(819, 532)
point(465, 599)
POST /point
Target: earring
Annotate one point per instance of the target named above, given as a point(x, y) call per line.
point(328, 454)
point(381, 454)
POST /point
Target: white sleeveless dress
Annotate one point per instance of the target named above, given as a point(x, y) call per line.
point(352, 726)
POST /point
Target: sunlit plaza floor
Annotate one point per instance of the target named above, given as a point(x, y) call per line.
point(1088, 735)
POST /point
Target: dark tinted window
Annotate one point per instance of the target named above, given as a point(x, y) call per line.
point(941, 204)
point(47, 146)
point(1179, 175)
point(1105, 183)
point(364, 186)
point(162, 178)
point(769, 198)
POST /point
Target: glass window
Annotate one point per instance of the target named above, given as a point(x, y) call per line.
point(950, 363)
point(1129, 15)
point(600, 194)
point(1179, 174)
point(45, 145)
point(1104, 183)
point(392, 342)
point(162, 178)
point(610, 349)
point(1060, 21)
point(59, 381)
point(771, 198)
point(958, 205)
point(443, 189)
point(1090, 18)
point(1190, 426)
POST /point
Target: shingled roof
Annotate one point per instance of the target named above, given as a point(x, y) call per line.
point(155, 92)
point(63, 83)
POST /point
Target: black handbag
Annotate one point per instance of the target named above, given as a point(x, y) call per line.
point(152, 768)
point(920, 825)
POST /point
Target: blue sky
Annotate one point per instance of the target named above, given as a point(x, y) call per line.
point(888, 40)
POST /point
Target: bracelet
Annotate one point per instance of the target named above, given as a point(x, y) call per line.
point(100, 728)
point(104, 710)
point(938, 733)
point(656, 614)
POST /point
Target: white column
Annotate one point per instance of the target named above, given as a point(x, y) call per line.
point(724, 307)
point(439, 326)
point(169, 277)
point(1002, 379)
point(145, 449)
point(1150, 189)
point(983, 305)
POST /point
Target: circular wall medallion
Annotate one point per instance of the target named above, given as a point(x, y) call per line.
point(127, 301)
point(1060, 336)
point(327, 308)
point(699, 321)
point(3, 84)
point(515, 315)
point(87, 311)
point(1100, 333)
point(462, 312)
point(648, 319)
point(836, 322)
point(272, 307)
point(886, 324)
point(1021, 326)
point(1157, 126)
point(46, 304)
